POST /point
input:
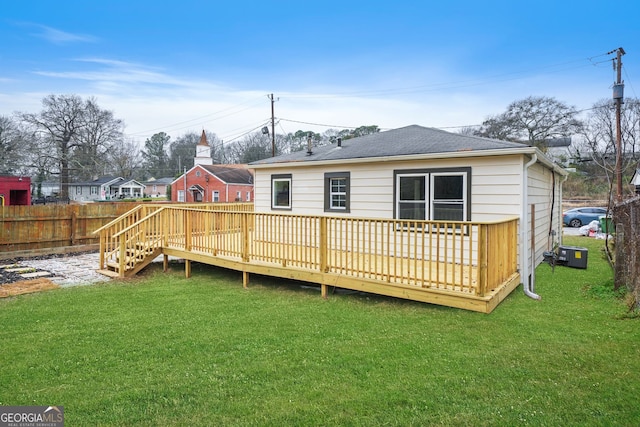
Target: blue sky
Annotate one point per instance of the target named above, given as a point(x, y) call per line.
point(185, 66)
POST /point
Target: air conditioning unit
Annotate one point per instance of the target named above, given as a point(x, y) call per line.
point(573, 256)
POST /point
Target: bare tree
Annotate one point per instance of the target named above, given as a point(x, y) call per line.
point(14, 147)
point(533, 120)
point(67, 123)
point(124, 158)
point(598, 138)
point(100, 130)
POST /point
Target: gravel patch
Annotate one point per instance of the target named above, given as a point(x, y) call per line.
point(64, 270)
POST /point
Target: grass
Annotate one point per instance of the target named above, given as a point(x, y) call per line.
point(165, 350)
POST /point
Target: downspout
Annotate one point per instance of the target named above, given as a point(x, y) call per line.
point(527, 286)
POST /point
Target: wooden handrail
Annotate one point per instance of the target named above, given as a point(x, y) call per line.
point(117, 220)
point(137, 223)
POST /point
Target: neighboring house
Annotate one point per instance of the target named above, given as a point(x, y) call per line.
point(106, 188)
point(206, 182)
point(422, 173)
point(157, 187)
point(15, 190)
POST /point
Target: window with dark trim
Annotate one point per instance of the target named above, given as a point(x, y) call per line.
point(281, 191)
point(433, 194)
point(337, 189)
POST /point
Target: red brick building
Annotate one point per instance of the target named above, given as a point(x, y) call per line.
point(15, 190)
point(214, 183)
point(206, 182)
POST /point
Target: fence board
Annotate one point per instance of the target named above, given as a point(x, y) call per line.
point(25, 228)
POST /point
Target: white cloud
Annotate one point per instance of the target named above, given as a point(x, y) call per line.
point(56, 36)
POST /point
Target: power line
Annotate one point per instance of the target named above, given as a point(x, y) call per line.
point(167, 127)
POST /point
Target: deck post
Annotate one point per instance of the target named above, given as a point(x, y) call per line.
point(245, 237)
point(187, 268)
point(165, 263)
point(482, 259)
point(123, 253)
point(324, 289)
point(103, 248)
point(324, 246)
point(187, 230)
point(245, 279)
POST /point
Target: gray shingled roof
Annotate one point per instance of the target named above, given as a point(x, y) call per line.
point(230, 175)
point(409, 140)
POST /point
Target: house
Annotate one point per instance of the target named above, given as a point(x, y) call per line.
point(206, 182)
point(419, 173)
point(157, 187)
point(106, 188)
point(15, 190)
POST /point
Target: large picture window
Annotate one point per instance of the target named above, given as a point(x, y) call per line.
point(433, 194)
point(281, 191)
point(336, 191)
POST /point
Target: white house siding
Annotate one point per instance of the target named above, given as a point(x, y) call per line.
point(495, 193)
point(541, 183)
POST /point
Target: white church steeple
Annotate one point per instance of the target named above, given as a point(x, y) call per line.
point(203, 152)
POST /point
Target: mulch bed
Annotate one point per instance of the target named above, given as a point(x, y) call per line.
point(26, 287)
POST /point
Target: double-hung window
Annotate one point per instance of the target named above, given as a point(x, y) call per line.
point(433, 194)
point(336, 191)
point(281, 191)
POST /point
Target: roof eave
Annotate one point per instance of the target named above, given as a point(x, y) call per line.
point(525, 150)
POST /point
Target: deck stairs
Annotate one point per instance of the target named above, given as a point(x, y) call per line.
point(128, 247)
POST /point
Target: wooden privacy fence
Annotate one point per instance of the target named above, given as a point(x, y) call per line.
point(464, 258)
point(46, 227)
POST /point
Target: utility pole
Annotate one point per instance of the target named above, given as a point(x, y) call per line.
point(618, 96)
point(273, 128)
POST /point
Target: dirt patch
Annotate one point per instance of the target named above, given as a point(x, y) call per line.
point(26, 287)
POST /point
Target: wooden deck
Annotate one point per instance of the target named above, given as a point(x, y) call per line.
point(459, 264)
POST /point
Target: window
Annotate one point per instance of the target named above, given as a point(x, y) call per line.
point(94, 190)
point(238, 196)
point(216, 196)
point(248, 196)
point(336, 191)
point(198, 174)
point(181, 195)
point(281, 191)
point(437, 194)
point(78, 190)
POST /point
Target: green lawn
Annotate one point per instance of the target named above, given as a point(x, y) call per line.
point(165, 350)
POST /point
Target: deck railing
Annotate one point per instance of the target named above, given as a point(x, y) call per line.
point(464, 257)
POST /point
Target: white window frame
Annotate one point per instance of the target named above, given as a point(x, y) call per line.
point(181, 195)
point(343, 195)
point(461, 202)
point(429, 199)
point(216, 196)
point(276, 179)
point(248, 196)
